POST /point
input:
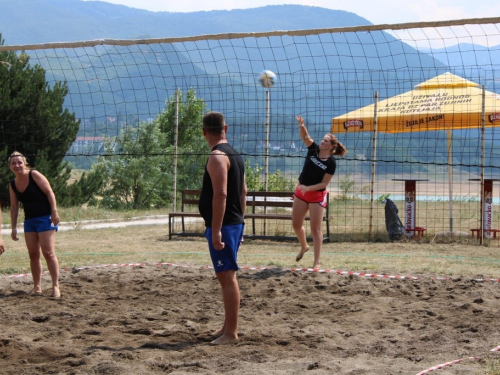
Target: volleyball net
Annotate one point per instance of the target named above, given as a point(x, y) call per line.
point(322, 74)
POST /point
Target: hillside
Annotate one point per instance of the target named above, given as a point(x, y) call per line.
point(43, 21)
point(472, 60)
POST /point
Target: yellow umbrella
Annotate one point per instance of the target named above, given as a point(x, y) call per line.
point(442, 103)
point(445, 102)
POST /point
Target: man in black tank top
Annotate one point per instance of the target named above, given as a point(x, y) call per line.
point(222, 206)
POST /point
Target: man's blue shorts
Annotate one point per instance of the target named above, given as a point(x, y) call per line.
point(39, 224)
point(226, 259)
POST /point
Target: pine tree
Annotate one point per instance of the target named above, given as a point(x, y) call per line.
point(34, 122)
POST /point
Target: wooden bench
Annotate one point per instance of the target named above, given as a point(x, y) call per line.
point(476, 232)
point(259, 207)
point(417, 231)
point(258, 203)
point(189, 198)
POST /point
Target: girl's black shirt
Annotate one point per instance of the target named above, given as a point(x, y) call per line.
point(314, 168)
point(34, 200)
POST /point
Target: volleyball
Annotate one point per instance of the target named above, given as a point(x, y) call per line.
point(267, 78)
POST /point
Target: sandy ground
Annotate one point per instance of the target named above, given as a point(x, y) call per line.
point(157, 319)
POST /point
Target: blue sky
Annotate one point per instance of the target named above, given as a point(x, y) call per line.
point(375, 11)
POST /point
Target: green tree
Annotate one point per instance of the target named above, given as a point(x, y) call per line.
point(346, 185)
point(136, 174)
point(190, 116)
point(34, 122)
point(192, 150)
point(253, 176)
point(277, 181)
point(139, 173)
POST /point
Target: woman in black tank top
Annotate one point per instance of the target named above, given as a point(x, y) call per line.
point(319, 167)
point(33, 190)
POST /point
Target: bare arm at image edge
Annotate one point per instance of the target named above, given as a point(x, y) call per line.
point(2, 247)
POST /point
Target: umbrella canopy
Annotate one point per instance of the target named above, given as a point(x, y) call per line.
point(445, 102)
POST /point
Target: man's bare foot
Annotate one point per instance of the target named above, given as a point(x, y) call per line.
point(224, 339)
point(35, 292)
point(56, 293)
point(317, 266)
point(301, 254)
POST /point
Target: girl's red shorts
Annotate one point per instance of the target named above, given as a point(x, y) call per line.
point(311, 196)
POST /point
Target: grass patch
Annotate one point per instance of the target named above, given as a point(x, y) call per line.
point(493, 367)
point(150, 244)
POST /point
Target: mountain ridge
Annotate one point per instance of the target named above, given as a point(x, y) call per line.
point(46, 21)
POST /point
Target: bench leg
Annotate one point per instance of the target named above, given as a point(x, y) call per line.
point(169, 228)
point(477, 233)
point(493, 232)
point(417, 232)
